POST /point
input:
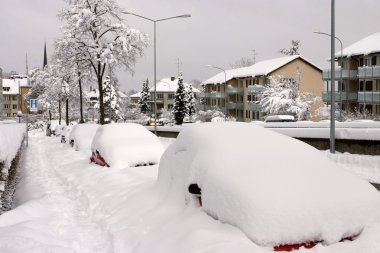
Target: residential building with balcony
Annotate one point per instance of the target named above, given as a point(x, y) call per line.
point(357, 77)
point(165, 93)
point(237, 92)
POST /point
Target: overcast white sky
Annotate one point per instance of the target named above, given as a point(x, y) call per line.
point(218, 33)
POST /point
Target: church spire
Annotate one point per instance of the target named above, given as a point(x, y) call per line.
point(45, 56)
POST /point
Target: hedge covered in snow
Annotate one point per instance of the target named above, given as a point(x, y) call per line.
point(11, 138)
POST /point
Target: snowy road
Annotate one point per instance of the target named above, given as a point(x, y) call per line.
point(65, 205)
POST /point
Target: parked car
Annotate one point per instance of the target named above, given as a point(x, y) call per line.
point(164, 121)
point(281, 192)
point(280, 118)
point(52, 125)
point(81, 136)
point(125, 145)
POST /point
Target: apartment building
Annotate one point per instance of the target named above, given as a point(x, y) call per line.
point(165, 92)
point(237, 92)
point(14, 90)
point(357, 77)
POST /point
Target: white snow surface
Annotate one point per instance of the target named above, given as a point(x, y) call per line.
point(11, 136)
point(127, 144)
point(278, 190)
point(365, 46)
point(82, 135)
point(65, 204)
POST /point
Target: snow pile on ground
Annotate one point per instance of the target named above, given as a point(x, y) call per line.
point(11, 136)
point(276, 189)
point(127, 144)
point(82, 135)
point(365, 166)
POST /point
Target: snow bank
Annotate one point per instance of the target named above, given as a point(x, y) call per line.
point(365, 166)
point(364, 130)
point(127, 144)
point(82, 135)
point(11, 136)
point(276, 189)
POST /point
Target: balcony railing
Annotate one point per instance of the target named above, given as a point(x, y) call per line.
point(217, 95)
point(370, 97)
point(254, 106)
point(234, 90)
point(232, 105)
point(326, 96)
point(346, 73)
point(255, 88)
point(203, 107)
point(369, 72)
point(202, 95)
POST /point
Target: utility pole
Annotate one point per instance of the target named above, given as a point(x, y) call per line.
point(178, 65)
point(254, 55)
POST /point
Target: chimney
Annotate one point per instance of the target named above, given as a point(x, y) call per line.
point(172, 78)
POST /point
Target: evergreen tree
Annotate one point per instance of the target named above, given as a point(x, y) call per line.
point(190, 101)
point(180, 102)
point(111, 100)
point(143, 102)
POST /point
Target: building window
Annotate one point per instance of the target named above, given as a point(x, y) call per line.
point(374, 61)
point(361, 62)
point(160, 96)
point(171, 96)
point(14, 97)
point(14, 107)
point(6, 106)
point(6, 88)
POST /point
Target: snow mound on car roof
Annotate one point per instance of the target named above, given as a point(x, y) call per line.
point(127, 144)
point(82, 135)
point(276, 189)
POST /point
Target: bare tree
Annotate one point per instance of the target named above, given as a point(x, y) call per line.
point(242, 62)
point(293, 50)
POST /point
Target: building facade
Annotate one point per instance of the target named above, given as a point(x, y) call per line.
point(237, 92)
point(14, 90)
point(357, 77)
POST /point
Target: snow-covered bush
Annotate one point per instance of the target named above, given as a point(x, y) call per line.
point(210, 116)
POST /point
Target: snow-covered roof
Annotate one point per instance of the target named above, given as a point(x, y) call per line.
point(93, 93)
point(169, 85)
point(11, 86)
point(368, 45)
point(137, 95)
point(122, 95)
point(257, 69)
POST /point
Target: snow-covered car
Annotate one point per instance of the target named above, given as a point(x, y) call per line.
point(52, 125)
point(282, 193)
point(280, 118)
point(125, 145)
point(81, 136)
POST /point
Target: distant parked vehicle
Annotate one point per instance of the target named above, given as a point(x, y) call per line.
point(52, 125)
point(125, 145)
point(282, 193)
point(280, 118)
point(81, 136)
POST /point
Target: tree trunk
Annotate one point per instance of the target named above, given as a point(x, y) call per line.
point(101, 104)
point(49, 114)
point(59, 110)
point(67, 111)
point(80, 99)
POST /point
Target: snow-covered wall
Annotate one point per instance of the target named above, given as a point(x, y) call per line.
point(11, 137)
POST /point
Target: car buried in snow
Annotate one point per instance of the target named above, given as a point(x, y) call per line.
point(123, 145)
point(282, 193)
point(81, 136)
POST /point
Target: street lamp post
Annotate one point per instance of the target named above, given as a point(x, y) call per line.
point(341, 70)
point(225, 83)
point(155, 58)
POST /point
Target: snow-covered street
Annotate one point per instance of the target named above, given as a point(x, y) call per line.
point(65, 204)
